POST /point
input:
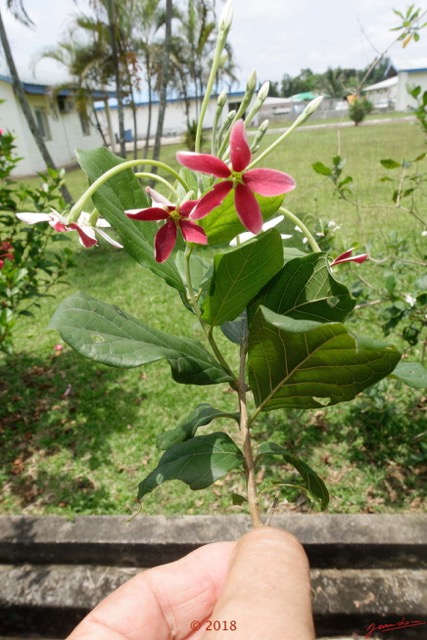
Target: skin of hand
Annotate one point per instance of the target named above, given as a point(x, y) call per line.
point(261, 582)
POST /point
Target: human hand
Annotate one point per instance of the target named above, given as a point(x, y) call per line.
point(255, 588)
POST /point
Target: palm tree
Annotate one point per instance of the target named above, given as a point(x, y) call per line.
point(81, 61)
point(113, 26)
point(149, 18)
point(332, 82)
point(164, 78)
point(18, 10)
point(107, 28)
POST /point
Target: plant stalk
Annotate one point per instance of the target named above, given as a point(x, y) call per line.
point(291, 216)
point(196, 308)
point(247, 443)
point(81, 202)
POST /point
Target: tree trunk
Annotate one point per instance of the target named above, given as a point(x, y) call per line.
point(98, 126)
point(163, 81)
point(116, 63)
point(150, 112)
point(22, 98)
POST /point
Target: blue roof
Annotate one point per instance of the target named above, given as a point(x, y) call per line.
point(43, 89)
point(143, 103)
point(421, 69)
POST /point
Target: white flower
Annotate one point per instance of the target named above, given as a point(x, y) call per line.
point(83, 223)
point(60, 223)
point(247, 235)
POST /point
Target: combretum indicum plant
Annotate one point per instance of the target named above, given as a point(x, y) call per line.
point(282, 309)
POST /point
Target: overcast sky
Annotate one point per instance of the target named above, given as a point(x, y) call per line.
point(272, 36)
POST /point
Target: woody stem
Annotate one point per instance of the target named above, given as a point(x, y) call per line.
point(247, 443)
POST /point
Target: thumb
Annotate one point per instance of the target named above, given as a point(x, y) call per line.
point(267, 590)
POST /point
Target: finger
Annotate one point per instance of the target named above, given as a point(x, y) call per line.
point(267, 591)
point(161, 603)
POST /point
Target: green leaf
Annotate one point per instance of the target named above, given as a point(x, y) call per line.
point(107, 334)
point(388, 163)
point(237, 330)
point(306, 289)
point(198, 462)
point(312, 482)
point(201, 270)
point(411, 373)
point(119, 193)
point(223, 224)
point(239, 274)
point(322, 169)
point(303, 364)
point(201, 416)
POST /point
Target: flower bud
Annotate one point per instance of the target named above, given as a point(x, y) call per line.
point(313, 106)
point(222, 99)
point(251, 83)
point(262, 130)
point(263, 126)
point(263, 92)
point(226, 17)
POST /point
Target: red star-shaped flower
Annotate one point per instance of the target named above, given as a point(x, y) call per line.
point(348, 257)
point(6, 252)
point(245, 182)
point(176, 216)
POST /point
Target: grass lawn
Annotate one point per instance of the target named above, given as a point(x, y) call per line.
point(77, 437)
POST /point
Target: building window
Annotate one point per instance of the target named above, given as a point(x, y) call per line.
point(84, 122)
point(43, 123)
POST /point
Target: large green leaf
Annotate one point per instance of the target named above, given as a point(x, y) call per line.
point(411, 373)
point(222, 224)
point(312, 482)
point(304, 364)
point(198, 462)
point(123, 191)
point(306, 289)
point(239, 274)
point(202, 415)
point(107, 334)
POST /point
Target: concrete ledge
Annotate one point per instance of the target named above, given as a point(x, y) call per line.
point(365, 569)
point(329, 540)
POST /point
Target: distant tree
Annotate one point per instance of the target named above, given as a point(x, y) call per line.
point(359, 109)
point(149, 17)
point(273, 90)
point(80, 60)
point(18, 10)
point(305, 81)
point(332, 82)
point(381, 71)
point(164, 79)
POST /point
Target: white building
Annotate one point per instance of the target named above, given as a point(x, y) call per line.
point(408, 79)
point(383, 95)
point(175, 123)
point(62, 128)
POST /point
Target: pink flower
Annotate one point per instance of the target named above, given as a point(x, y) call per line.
point(266, 182)
point(347, 257)
point(176, 216)
point(58, 348)
point(6, 252)
point(60, 223)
